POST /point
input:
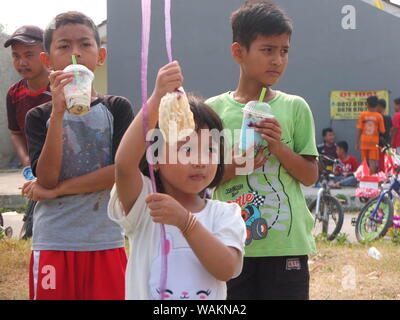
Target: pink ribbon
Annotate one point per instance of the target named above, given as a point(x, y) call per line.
point(168, 32)
point(146, 23)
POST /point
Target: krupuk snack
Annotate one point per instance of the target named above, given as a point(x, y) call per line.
point(175, 117)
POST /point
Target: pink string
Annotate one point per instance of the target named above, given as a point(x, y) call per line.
point(146, 23)
point(168, 32)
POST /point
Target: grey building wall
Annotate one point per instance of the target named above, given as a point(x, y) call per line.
point(7, 78)
point(323, 55)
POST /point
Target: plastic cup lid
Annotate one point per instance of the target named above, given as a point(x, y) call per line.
point(78, 67)
point(259, 109)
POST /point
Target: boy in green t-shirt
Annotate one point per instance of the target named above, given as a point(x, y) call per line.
point(279, 225)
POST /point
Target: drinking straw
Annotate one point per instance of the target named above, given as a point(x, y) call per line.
point(262, 95)
point(76, 73)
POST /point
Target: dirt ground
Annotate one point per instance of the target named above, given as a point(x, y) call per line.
point(338, 272)
point(346, 272)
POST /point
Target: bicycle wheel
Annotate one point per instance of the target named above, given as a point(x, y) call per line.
point(371, 228)
point(332, 215)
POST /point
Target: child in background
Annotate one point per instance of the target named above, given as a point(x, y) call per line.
point(279, 224)
point(205, 237)
point(384, 138)
point(370, 125)
point(395, 133)
point(345, 176)
point(77, 251)
point(328, 147)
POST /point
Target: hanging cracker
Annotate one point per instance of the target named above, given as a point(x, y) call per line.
point(175, 117)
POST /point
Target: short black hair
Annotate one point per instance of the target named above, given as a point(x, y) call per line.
point(372, 101)
point(203, 116)
point(325, 131)
point(344, 145)
point(382, 103)
point(70, 17)
point(261, 18)
point(396, 101)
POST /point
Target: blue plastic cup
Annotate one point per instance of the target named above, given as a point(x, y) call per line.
point(253, 112)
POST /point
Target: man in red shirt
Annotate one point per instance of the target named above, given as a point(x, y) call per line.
point(345, 177)
point(395, 133)
point(33, 90)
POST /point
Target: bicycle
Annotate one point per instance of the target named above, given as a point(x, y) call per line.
point(376, 217)
point(327, 210)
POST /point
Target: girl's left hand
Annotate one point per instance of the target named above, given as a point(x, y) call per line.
point(34, 191)
point(271, 131)
point(166, 210)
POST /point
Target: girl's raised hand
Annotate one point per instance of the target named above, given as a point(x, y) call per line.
point(169, 78)
point(166, 210)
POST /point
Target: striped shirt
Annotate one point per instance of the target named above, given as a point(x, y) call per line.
point(20, 100)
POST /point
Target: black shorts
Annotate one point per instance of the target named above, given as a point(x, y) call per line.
point(271, 278)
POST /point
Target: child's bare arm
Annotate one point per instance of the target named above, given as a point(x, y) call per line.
point(211, 251)
point(92, 182)
point(303, 168)
point(132, 146)
point(208, 248)
point(50, 159)
point(359, 131)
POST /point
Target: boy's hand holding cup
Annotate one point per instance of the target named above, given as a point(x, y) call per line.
point(78, 93)
point(259, 126)
point(58, 80)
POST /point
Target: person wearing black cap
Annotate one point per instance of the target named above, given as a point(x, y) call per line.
point(26, 45)
point(33, 90)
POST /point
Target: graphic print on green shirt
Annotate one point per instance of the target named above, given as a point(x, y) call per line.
point(273, 206)
point(265, 205)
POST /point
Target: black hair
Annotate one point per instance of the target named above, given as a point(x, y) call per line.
point(372, 101)
point(261, 18)
point(203, 116)
point(382, 103)
point(70, 17)
point(396, 101)
point(325, 131)
point(344, 145)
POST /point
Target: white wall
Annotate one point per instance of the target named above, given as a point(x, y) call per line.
point(7, 77)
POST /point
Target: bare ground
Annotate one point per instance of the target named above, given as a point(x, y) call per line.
point(338, 272)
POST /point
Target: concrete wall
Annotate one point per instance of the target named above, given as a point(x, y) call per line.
point(100, 79)
point(323, 55)
point(7, 77)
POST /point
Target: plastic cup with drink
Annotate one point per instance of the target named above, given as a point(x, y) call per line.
point(78, 93)
point(253, 112)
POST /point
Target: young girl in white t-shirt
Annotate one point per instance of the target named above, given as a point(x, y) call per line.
point(205, 238)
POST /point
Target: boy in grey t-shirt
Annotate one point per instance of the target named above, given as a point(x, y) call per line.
point(78, 252)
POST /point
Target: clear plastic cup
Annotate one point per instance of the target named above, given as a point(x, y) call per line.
point(253, 111)
point(78, 93)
